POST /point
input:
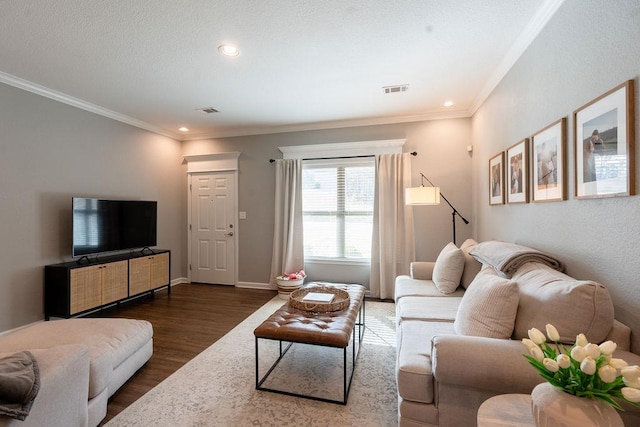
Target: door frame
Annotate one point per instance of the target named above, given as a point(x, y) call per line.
point(212, 163)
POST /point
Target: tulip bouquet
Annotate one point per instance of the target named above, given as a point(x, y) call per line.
point(584, 369)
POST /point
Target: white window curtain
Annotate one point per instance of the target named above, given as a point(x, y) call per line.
point(288, 247)
point(392, 247)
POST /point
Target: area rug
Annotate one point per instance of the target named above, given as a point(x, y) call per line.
point(217, 387)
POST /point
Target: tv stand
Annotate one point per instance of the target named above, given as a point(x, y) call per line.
point(75, 288)
point(147, 248)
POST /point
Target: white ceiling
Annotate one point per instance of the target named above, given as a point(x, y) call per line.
point(304, 64)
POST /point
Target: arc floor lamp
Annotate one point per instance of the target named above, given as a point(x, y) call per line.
point(422, 195)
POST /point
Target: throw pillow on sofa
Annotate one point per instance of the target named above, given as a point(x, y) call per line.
point(572, 306)
point(448, 269)
point(488, 307)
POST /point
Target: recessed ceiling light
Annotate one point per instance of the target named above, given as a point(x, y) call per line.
point(183, 129)
point(448, 104)
point(228, 50)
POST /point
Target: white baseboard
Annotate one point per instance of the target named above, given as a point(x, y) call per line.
point(179, 280)
point(256, 285)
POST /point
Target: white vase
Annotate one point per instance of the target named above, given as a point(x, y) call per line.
point(553, 407)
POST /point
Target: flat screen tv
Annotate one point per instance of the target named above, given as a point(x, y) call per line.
point(112, 225)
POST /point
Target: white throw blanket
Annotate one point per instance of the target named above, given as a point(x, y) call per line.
point(507, 258)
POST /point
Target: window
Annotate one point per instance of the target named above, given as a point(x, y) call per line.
point(337, 204)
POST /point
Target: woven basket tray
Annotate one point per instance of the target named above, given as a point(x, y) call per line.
point(340, 301)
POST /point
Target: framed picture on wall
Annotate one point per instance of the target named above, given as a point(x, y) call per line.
point(604, 147)
point(496, 179)
point(548, 164)
point(517, 165)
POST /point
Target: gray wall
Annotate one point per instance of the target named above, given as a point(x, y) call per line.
point(50, 152)
point(586, 49)
point(442, 157)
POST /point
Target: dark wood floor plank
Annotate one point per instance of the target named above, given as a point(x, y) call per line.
point(185, 323)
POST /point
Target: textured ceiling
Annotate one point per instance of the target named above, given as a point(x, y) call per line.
point(304, 64)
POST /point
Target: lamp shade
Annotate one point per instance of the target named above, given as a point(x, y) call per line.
point(422, 196)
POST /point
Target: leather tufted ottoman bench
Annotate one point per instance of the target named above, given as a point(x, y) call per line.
point(332, 329)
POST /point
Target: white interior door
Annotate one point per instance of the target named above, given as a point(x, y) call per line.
point(213, 228)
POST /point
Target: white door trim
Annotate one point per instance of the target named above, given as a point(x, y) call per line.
point(215, 162)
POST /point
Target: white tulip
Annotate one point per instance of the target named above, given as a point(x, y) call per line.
point(563, 361)
point(550, 364)
point(631, 394)
point(607, 374)
point(608, 347)
point(631, 372)
point(581, 340)
point(536, 336)
point(592, 350)
point(588, 365)
point(635, 383)
point(578, 353)
point(617, 363)
point(536, 353)
point(552, 332)
point(528, 343)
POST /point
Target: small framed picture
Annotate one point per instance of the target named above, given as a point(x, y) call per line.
point(518, 172)
point(548, 164)
point(496, 179)
point(604, 146)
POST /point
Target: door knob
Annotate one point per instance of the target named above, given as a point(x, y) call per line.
point(230, 233)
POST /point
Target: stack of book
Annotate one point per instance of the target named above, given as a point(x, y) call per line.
point(318, 297)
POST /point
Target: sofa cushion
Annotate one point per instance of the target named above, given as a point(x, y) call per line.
point(110, 342)
point(448, 269)
point(471, 265)
point(413, 371)
point(572, 306)
point(428, 309)
point(422, 270)
point(488, 308)
point(408, 287)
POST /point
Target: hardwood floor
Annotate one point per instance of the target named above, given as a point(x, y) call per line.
point(184, 323)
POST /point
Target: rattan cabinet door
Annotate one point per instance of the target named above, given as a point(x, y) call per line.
point(114, 282)
point(139, 273)
point(85, 290)
point(159, 270)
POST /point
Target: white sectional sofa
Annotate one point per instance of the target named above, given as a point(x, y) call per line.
point(460, 345)
point(82, 362)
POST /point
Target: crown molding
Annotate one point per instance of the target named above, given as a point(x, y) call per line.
point(531, 31)
point(83, 105)
point(373, 121)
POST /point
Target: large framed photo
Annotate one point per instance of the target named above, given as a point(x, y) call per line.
point(518, 172)
point(604, 145)
point(496, 179)
point(548, 163)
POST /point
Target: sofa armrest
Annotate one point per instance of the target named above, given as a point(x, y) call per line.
point(491, 364)
point(64, 384)
point(621, 335)
point(422, 270)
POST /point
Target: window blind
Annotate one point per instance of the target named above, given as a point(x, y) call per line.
point(337, 199)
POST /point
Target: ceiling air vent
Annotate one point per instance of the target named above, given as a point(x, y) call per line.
point(208, 110)
point(395, 89)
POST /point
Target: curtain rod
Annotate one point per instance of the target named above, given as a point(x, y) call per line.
point(414, 153)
